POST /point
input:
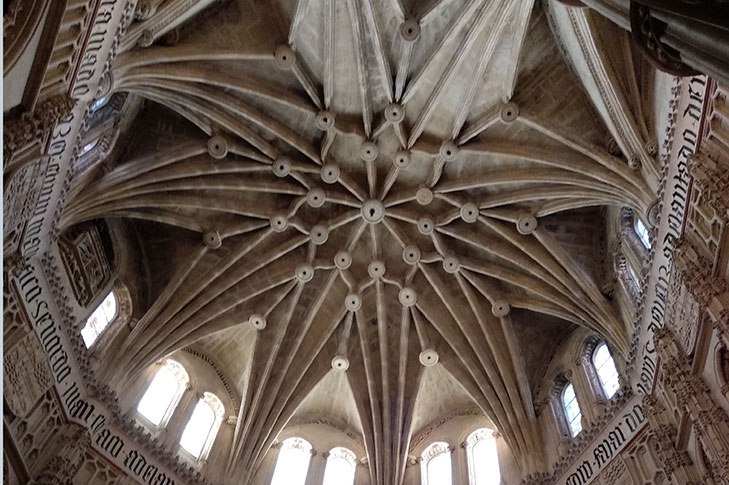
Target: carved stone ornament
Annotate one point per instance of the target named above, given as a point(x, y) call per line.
point(26, 375)
point(28, 127)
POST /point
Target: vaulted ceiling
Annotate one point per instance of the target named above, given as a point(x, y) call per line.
point(397, 203)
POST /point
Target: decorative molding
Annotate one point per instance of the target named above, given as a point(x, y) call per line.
point(582, 441)
point(229, 388)
point(434, 425)
point(103, 393)
point(28, 127)
point(330, 422)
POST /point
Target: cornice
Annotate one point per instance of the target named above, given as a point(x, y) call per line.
point(229, 388)
point(330, 422)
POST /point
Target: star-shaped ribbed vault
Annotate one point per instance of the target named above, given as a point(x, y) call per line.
point(370, 195)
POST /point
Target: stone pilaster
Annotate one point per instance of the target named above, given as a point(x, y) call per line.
point(711, 423)
point(62, 468)
point(172, 431)
point(675, 463)
point(591, 380)
point(711, 176)
point(710, 292)
point(315, 473)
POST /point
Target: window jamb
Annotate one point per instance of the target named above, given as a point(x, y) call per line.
point(573, 431)
point(218, 410)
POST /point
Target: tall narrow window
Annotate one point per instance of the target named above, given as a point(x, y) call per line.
point(642, 232)
point(163, 393)
point(572, 410)
point(606, 370)
point(99, 320)
point(203, 425)
point(483, 459)
point(436, 464)
point(89, 146)
point(99, 103)
point(341, 465)
point(293, 462)
point(633, 274)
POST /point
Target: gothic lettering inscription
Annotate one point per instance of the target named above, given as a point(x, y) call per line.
point(685, 143)
point(60, 149)
point(600, 453)
point(105, 438)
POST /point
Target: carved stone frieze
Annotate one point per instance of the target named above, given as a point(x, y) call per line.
point(683, 311)
point(22, 130)
point(26, 375)
point(708, 212)
point(103, 393)
point(662, 439)
point(583, 440)
point(711, 422)
point(615, 474)
point(85, 261)
point(697, 275)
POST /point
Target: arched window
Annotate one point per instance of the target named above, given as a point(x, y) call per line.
point(436, 464)
point(572, 409)
point(293, 462)
point(99, 320)
point(99, 103)
point(341, 465)
point(642, 232)
point(89, 146)
point(606, 370)
point(633, 275)
point(201, 429)
point(163, 393)
point(483, 459)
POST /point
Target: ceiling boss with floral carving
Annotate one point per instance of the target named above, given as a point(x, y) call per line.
point(376, 189)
